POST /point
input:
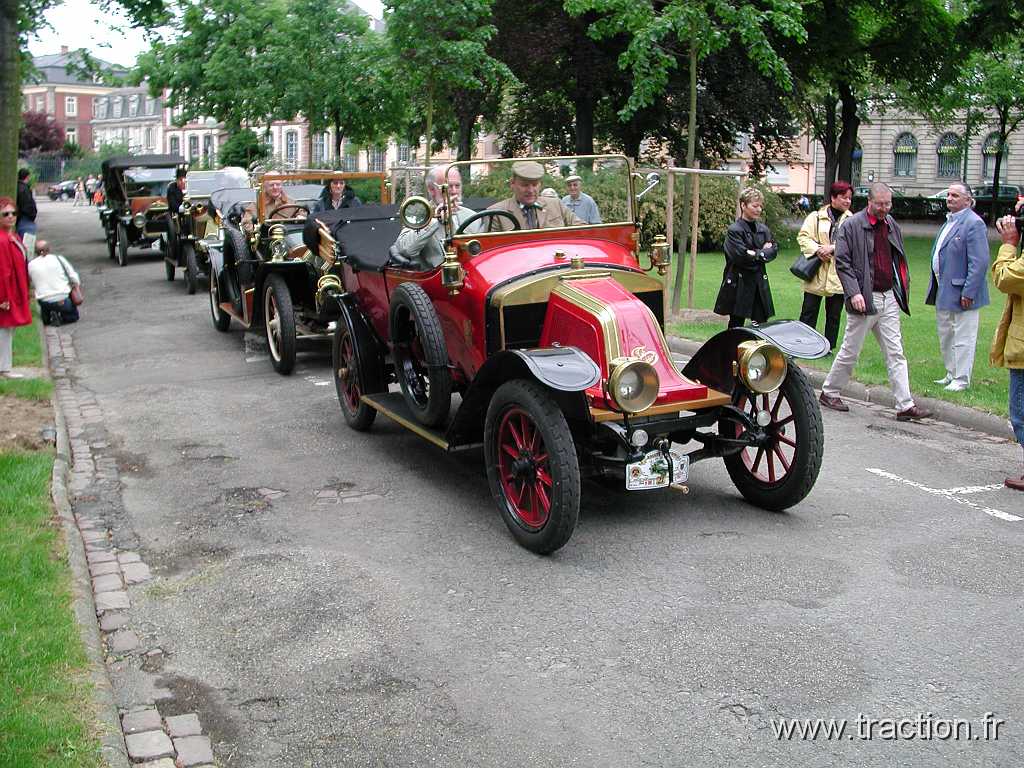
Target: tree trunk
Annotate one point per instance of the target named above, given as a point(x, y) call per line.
point(828, 142)
point(691, 154)
point(10, 97)
point(585, 124)
point(848, 137)
point(337, 141)
point(430, 125)
point(467, 124)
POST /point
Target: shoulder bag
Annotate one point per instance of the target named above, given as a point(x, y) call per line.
point(805, 267)
point(77, 297)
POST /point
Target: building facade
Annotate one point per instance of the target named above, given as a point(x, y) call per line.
point(129, 116)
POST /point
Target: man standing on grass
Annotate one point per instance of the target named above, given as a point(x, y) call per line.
point(958, 289)
point(872, 266)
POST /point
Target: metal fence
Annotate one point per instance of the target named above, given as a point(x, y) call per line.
point(46, 168)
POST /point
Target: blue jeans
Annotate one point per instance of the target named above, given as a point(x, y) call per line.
point(58, 312)
point(1017, 402)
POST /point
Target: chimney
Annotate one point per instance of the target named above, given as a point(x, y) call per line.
point(64, 50)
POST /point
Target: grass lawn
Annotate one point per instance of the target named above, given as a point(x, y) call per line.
point(990, 386)
point(46, 712)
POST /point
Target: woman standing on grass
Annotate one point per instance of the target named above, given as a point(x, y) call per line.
point(14, 305)
point(745, 292)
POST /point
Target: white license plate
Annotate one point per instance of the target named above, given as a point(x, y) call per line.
point(652, 471)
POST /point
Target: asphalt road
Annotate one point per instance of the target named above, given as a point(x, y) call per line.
point(368, 607)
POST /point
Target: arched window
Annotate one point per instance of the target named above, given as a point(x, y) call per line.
point(291, 146)
point(949, 156)
point(989, 150)
point(905, 153)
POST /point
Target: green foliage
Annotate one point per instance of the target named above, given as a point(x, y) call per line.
point(242, 148)
point(88, 163)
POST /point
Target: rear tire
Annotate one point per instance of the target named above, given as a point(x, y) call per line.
point(420, 355)
point(169, 267)
point(191, 268)
point(111, 244)
point(221, 319)
point(279, 321)
point(122, 245)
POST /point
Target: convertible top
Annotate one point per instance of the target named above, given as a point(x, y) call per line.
point(142, 161)
point(364, 234)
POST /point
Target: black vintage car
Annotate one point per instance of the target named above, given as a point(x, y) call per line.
point(135, 213)
point(262, 273)
point(192, 228)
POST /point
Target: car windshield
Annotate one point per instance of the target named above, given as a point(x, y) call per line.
point(223, 199)
point(147, 182)
point(203, 183)
point(599, 192)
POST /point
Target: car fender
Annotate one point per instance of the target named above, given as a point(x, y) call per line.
point(712, 364)
point(372, 371)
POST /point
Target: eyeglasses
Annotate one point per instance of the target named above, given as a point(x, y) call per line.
point(8, 213)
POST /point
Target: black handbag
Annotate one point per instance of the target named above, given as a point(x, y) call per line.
point(805, 267)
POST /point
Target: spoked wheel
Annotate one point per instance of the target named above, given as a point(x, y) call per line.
point(279, 320)
point(191, 269)
point(122, 245)
point(352, 367)
point(781, 470)
point(532, 466)
point(221, 319)
point(420, 355)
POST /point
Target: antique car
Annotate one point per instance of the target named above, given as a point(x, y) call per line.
point(134, 214)
point(262, 274)
point(192, 228)
point(554, 341)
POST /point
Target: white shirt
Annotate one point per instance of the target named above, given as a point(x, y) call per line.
point(48, 277)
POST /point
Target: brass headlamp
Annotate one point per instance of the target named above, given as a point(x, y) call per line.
point(661, 254)
point(761, 366)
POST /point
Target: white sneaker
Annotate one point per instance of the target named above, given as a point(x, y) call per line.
point(944, 380)
point(956, 386)
point(11, 375)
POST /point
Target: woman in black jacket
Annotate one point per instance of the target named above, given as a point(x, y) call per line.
point(745, 292)
point(336, 194)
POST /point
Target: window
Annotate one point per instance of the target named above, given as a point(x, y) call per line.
point(150, 106)
point(905, 153)
point(99, 108)
point(319, 142)
point(404, 153)
point(291, 146)
point(948, 150)
point(857, 164)
point(351, 157)
point(193, 148)
point(174, 147)
point(133, 106)
point(71, 106)
point(208, 149)
point(147, 139)
point(117, 106)
point(71, 135)
point(989, 150)
point(375, 157)
point(40, 103)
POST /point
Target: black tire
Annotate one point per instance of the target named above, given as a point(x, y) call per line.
point(798, 450)
point(191, 268)
point(545, 514)
point(357, 372)
point(122, 245)
point(221, 319)
point(420, 355)
point(279, 322)
point(65, 196)
point(111, 244)
point(169, 268)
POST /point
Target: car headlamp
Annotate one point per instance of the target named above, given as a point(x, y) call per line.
point(278, 250)
point(761, 365)
point(633, 384)
point(139, 220)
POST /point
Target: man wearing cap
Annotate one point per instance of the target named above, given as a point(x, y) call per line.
point(580, 203)
point(526, 204)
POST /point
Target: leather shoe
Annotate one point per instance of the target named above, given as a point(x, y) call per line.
point(835, 403)
point(913, 413)
point(1016, 483)
point(956, 386)
point(944, 380)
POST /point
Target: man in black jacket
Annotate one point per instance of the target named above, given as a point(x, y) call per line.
point(176, 190)
point(26, 224)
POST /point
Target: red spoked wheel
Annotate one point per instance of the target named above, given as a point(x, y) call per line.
point(782, 467)
point(532, 466)
point(356, 372)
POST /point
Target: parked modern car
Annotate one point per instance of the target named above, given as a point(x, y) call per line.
point(64, 190)
point(554, 340)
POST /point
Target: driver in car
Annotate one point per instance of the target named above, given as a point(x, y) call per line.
point(274, 198)
point(529, 208)
point(424, 248)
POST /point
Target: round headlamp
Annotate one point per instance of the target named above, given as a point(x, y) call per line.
point(139, 220)
point(762, 366)
point(633, 384)
point(278, 249)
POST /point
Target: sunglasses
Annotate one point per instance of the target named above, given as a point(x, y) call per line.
point(8, 213)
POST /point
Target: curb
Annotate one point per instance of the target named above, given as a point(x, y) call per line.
point(112, 746)
point(942, 410)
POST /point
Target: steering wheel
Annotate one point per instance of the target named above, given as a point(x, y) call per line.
point(298, 209)
point(489, 213)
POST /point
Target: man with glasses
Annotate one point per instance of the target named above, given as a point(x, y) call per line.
point(872, 266)
point(53, 277)
point(424, 248)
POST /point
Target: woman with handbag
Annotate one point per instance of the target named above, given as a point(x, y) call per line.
point(817, 239)
point(745, 292)
point(57, 286)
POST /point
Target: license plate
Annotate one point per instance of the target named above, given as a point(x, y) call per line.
point(652, 471)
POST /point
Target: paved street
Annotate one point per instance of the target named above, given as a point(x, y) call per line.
point(323, 597)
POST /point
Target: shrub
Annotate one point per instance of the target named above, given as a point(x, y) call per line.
point(242, 149)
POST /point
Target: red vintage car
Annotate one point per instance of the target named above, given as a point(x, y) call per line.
point(553, 341)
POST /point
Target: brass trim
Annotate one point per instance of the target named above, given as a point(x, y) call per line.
point(601, 312)
point(401, 420)
point(589, 275)
point(713, 399)
point(537, 288)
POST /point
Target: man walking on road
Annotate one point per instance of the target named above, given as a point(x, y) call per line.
point(872, 266)
point(958, 289)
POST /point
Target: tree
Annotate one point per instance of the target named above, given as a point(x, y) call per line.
point(242, 148)
point(40, 133)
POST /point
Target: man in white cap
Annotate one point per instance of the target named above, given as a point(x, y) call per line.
point(424, 248)
point(580, 203)
point(526, 204)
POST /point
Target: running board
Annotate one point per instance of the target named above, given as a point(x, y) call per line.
point(393, 405)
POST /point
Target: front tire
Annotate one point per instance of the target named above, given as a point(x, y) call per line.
point(532, 466)
point(221, 319)
point(420, 355)
point(111, 244)
point(191, 269)
point(351, 361)
point(279, 321)
point(780, 473)
point(122, 245)
point(169, 267)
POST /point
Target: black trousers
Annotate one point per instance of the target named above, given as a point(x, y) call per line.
point(833, 314)
point(58, 312)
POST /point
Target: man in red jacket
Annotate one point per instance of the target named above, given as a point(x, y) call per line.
point(14, 302)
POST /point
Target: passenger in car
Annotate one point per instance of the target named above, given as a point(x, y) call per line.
point(336, 194)
point(529, 208)
point(274, 198)
point(424, 248)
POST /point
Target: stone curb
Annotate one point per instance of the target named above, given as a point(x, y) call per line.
point(112, 745)
point(942, 410)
